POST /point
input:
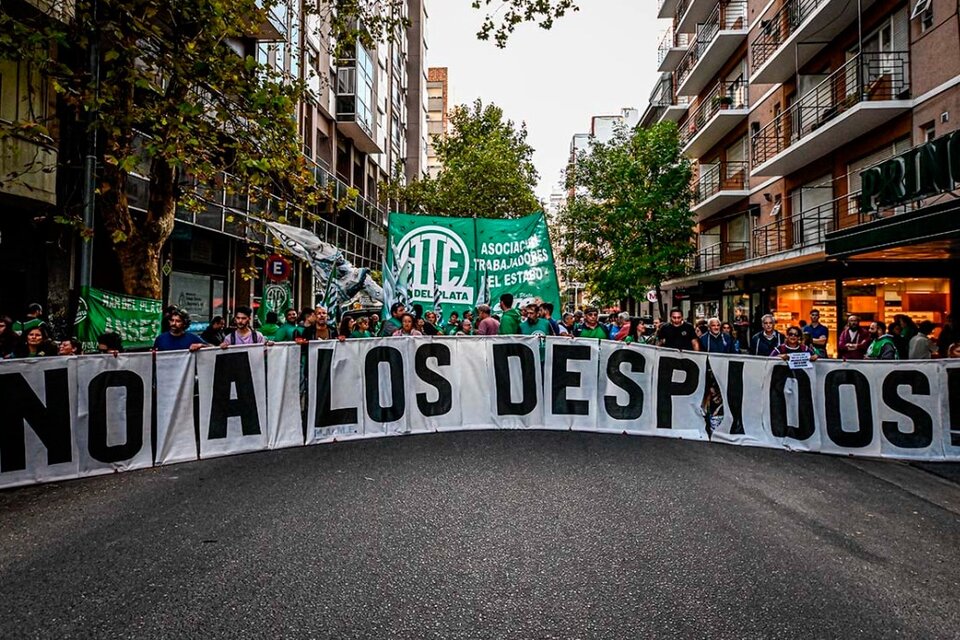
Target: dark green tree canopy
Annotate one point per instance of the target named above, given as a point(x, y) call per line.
point(627, 226)
point(487, 169)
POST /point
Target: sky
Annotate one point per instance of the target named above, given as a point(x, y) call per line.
point(593, 62)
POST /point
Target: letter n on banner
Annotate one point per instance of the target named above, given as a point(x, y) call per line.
point(625, 393)
point(680, 384)
point(516, 381)
point(114, 398)
point(570, 384)
point(233, 400)
point(37, 402)
point(335, 390)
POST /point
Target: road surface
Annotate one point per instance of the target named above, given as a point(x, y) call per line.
point(488, 535)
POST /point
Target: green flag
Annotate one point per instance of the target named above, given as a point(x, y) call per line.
point(457, 253)
point(137, 320)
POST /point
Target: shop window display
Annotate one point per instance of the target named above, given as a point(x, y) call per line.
point(796, 301)
point(883, 298)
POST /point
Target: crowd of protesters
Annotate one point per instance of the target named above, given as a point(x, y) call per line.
point(902, 339)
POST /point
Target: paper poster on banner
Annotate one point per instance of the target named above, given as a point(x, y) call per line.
point(387, 370)
point(740, 380)
point(949, 400)
point(233, 400)
point(335, 390)
point(434, 401)
point(284, 426)
point(625, 390)
point(476, 384)
point(679, 387)
point(515, 373)
point(788, 409)
point(38, 400)
point(800, 360)
point(176, 432)
point(114, 403)
point(570, 383)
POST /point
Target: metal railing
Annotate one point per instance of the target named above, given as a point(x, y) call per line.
point(728, 14)
point(720, 254)
point(722, 176)
point(869, 76)
point(671, 40)
point(726, 95)
point(775, 30)
point(796, 231)
point(664, 95)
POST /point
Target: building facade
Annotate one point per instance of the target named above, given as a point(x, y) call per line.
point(363, 121)
point(438, 94)
point(796, 114)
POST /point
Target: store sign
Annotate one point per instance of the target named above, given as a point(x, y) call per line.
point(923, 171)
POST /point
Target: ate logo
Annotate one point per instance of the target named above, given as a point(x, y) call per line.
point(436, 255)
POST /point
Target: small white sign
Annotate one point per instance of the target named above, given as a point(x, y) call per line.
point(800, 360)
point(651, 296)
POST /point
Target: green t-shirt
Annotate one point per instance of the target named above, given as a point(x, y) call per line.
point(509, 322)
point(360, 334)
point(269, 330)
point(285, 332)
point(597, 332)
point(539, 328)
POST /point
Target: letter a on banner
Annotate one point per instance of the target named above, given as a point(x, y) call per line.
point(113, 412)
point(233, 400)
point(37, 403)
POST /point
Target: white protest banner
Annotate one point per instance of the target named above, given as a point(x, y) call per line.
point(475, 383)
point(233, 400)
point(949, 400)
point(386, 372)
point(625, 393)
point(335, 390)
point(114, 403)
point(741, 381)
point(283, 396)
point(37, 409)
point(176, 432)
point(788, 411)
point(680, 382)
point(514, 370)
point(434, 393)
point(570, 383)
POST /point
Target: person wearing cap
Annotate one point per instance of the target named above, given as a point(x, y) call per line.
point(591, 325)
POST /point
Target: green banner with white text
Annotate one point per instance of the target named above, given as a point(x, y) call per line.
point(137, 320)
point(464, 261)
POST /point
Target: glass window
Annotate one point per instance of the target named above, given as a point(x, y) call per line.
point(883, 298)
point(796, 301)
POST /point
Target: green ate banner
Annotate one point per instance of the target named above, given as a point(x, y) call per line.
point(469, 258)
point(137, 320)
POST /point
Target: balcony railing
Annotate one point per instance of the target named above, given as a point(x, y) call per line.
point(664, 95)
point(869, 76)
point(726, 95)
point(722, 176)
point(720, 254)
point(804, 229)
point(728, 14)
point(671, 40)
point(775, 30)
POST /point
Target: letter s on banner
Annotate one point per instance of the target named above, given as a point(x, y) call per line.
point(626, 388)
point(38, 400)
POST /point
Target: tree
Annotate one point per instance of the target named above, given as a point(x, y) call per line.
point(169, 97)
point(486, 169)
point(628, 225)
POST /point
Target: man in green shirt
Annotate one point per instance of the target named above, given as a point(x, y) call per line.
point(534, 325)
point(453, 324)
point(591, 325)
point(510, 318)
point(286, 331)
point(393, 324)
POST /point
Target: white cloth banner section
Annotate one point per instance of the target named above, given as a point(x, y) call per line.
point(570, 383)
point(514, 366)
point(788, 412)
point(37, 409)
point(284, 428)
point(742, 384)
point(386, 370)
point(475, 385)
point(233, 400)
point(435, 402)
point(176, 432)
point(626, 392)
point(949, 399)
point(335, 390)
point(680, 383)
point(114, 403)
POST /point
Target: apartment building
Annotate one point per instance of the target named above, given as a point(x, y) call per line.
point(438, 95)
point(822, 137)
point(362, 122)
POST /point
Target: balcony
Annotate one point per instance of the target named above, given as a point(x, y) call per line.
point(354, 101)
point(692, 13)
point(718, 114)
point(664, 102)
point(812, 23)
point(724, 30)
point(673, 46)
point(720, 254)
point(667, 9)
point(867, 91)
point(721, 185)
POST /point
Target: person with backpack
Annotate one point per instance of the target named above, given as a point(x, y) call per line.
point(244, 333)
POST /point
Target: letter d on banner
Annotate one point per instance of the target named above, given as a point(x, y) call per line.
point(517, 384)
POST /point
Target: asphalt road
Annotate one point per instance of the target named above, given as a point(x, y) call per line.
point(488, 535)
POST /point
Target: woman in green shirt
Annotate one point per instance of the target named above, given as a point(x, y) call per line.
point(362, 328)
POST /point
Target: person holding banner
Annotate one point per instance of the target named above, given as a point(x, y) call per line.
point(287, 331)
point(488, 325)
point(35, 342)
point(793, 345)
point(766, 340)
point(591, 325)
point(244, 334)
point(678, 334)
point(407, 326)
point(715, 340)
point(535, 325)
point(882, 347)
point(430, 324)
point(177, 337)
point(362, 328)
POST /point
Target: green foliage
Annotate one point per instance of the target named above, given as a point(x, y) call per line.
point(487, 169)
point(628, 226)
point(511, 13)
